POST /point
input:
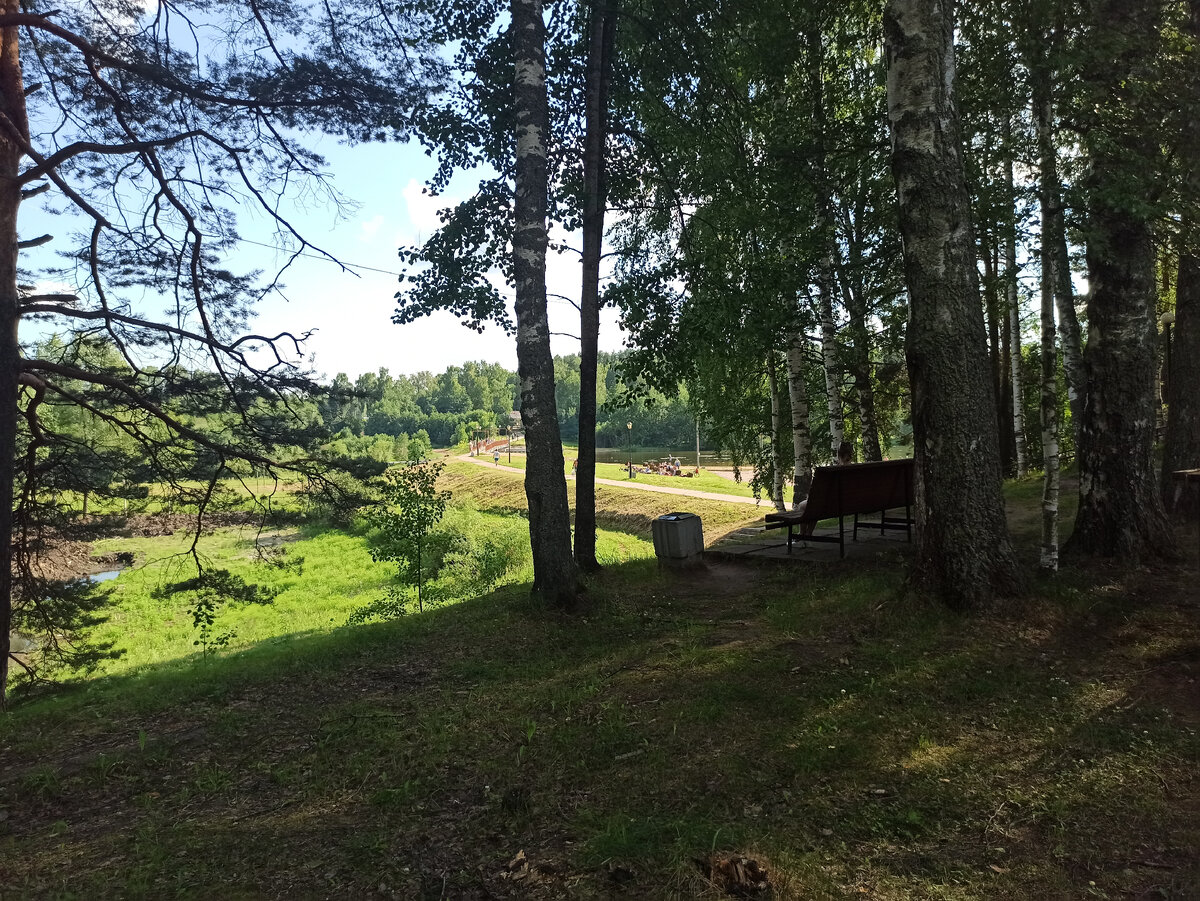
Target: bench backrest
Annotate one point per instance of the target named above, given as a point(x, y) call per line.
point(859, 488)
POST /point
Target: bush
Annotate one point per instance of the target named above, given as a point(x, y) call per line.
point(467, 554)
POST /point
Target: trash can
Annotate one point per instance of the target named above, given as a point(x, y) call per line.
point(678, 538)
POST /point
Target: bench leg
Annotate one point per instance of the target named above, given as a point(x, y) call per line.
point(842, 537)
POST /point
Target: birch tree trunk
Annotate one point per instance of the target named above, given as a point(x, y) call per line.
point(860, 357)
point(1120, 508)
point(602, 27)
point(825, 232)
point(12, 104)
point(829, 358)
point(802, 458)
point(545, 482)
point(995, 355)
point(1048, 559)
point(1182, 448)
point(776, 433)
point(1054, 243)
point(1012, 298)
point(963, 549)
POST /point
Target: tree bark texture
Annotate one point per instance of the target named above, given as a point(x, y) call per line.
point(554, 574)
point(776, 435)
point(828, 248)
point(602, 27)
point(1048, 558)
point(1120, 508)
point(1012, 300)
point(860, 359)
point(999, 344)
point(963, 549)
point(1182, 447)
point(829, 357)
point(995, 355)
point(1049, 199)
point(12, 104)
point(802, 457)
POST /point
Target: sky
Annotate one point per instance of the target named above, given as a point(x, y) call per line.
point(351, 311)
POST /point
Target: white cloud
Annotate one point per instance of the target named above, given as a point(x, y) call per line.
point(370, 228)
point(422, 208)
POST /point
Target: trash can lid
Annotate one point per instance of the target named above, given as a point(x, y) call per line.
point(674, 516)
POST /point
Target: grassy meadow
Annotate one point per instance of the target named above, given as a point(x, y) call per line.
point(706, 481)
point(798, 732)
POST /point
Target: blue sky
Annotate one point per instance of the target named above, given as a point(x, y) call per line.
point(352, 312)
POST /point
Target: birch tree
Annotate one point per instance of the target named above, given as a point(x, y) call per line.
point(1120, 508)
point(963, 548)
point(1182, 447)
point(554, 578)
point(602, 24)
point(802, 456)
point(1049, 405)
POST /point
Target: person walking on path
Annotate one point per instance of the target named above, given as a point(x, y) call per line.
point(496, 456)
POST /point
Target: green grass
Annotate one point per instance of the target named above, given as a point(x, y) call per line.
point(337, 577)
point(706, 481)
point(855, 740)
point(623, 510)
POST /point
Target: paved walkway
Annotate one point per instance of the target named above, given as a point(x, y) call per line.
point(633, 483)
point(754, 542)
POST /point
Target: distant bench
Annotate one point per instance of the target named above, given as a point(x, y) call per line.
point(854, 490)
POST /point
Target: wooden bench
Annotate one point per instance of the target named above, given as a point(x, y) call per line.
point(855, 490)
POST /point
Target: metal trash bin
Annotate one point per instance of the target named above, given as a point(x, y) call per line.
point(678, 538)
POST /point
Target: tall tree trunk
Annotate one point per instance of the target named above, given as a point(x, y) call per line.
point(1012, 300)
point(1018, 388)
point(829, 356)
point(1048, 559)
point(1182, 448)
point(776, 434)
point(828, 247)
point(860, 357)
point(1054, 248)
point(1069, 333)
point(802, 457)
point(554, 571)
point(997, 356)
point(1120, 509)
point(602, 26)
point(12, 103)
point(1002, 360)
point(963, 550)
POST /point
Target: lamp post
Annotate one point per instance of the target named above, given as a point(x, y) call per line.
point(629, 426)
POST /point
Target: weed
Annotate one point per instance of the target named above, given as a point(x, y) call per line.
point(43, 782)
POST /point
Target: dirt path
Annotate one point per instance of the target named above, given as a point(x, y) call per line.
point(632, 483)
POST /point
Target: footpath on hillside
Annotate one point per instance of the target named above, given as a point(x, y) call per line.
point(629, 483)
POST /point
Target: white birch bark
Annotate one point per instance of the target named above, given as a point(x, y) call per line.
point(1048, 558)
point(545, 481)
point(776, 431)
point(1013, 302)
point(829, 356)
point(802, 458)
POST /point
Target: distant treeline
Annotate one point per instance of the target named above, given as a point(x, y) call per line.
point(380, 415)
